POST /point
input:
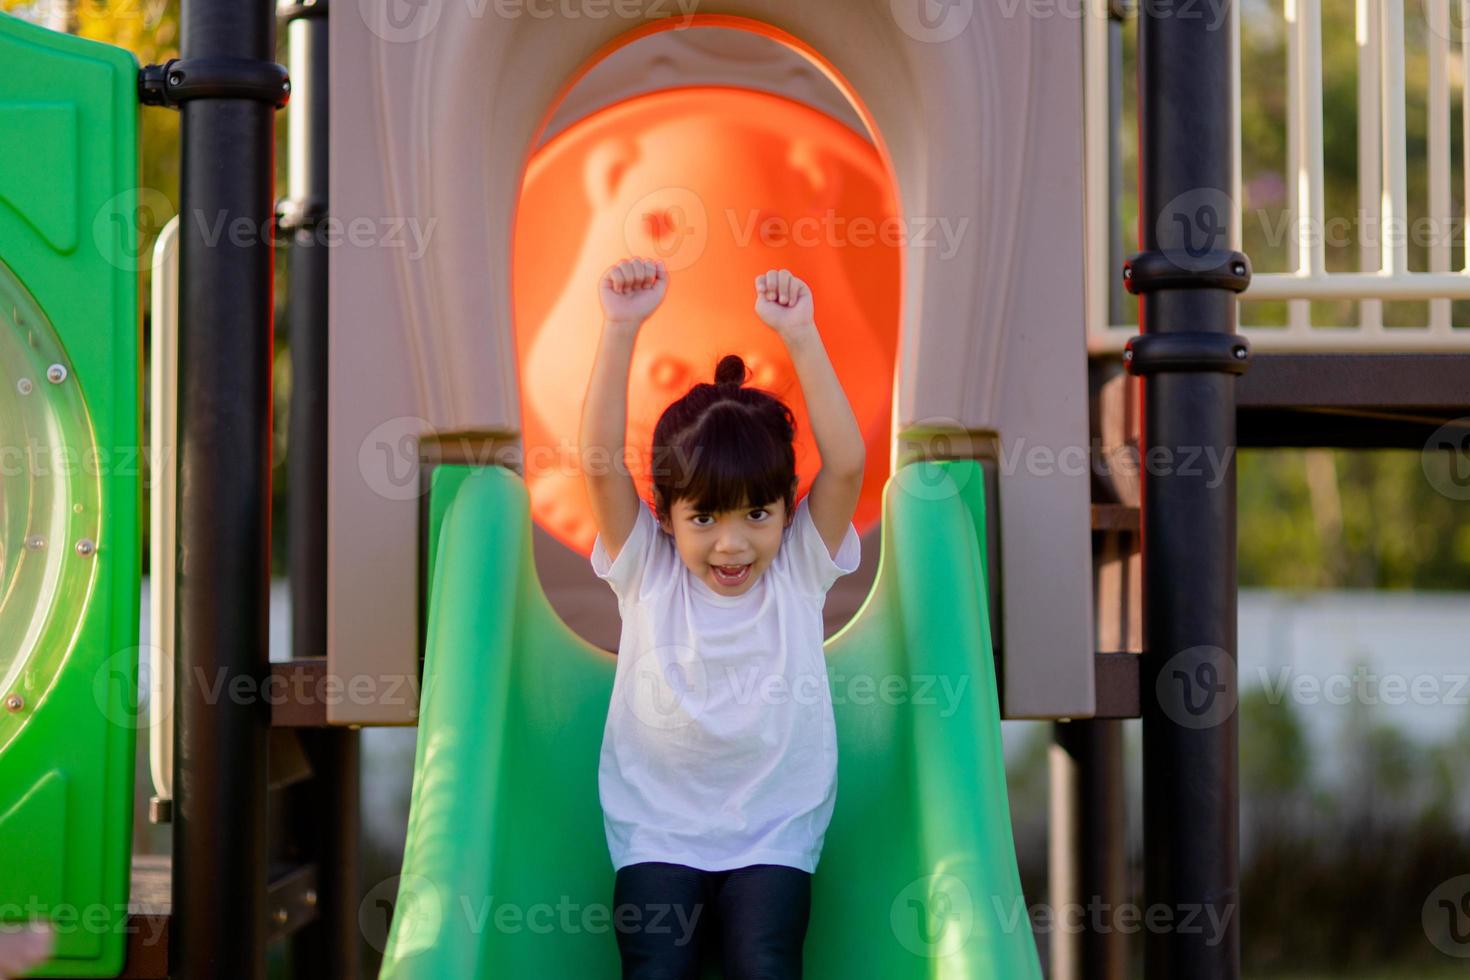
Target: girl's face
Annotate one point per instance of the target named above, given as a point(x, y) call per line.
point(727, 551)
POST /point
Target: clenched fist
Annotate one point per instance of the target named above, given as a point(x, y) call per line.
point(632, 289)
point(783, 302)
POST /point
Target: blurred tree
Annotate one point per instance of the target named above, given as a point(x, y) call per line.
point(1275, 756)
point(1392, 528)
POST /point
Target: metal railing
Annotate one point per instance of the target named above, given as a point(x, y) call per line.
point(1382, 185)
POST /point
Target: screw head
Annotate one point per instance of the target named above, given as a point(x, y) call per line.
point(1128, 355)
point(280, 917)
point(310, 897)
point(14, 702)
point(176, 78)
point(1239, 353)
point(86, 547)
point(25, 386)
point(56, 373)
point(1239, 269)
point(1127, 272)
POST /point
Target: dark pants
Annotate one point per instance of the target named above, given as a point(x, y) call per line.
point(664, 914)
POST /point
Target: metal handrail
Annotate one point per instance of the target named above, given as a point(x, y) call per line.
point(163, 441)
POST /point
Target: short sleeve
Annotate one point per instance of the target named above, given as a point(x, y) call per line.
point(635, 559)
point(811, 565)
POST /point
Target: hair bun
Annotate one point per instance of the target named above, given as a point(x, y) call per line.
point(731, 370)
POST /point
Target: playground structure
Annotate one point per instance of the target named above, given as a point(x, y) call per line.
point(448, 580)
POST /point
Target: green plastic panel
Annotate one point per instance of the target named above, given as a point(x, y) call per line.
point(70, 489)
point(506, 871)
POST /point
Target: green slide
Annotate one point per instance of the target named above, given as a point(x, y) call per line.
point(506, 871)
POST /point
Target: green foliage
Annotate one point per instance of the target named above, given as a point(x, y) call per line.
point(1363, 520)
point(1275, 757)
point(1336, 875)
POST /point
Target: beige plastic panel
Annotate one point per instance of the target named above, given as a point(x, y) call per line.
point(434, 115)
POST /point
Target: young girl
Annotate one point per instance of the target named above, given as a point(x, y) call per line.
point(718, 770)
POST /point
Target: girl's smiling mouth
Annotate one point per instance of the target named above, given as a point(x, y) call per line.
point(730, 575)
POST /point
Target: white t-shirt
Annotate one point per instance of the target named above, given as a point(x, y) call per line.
point(720, 748)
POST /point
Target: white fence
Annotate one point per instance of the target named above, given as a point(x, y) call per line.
point(1382, 183)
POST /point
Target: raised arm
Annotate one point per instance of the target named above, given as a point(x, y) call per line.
point(785, 304)
point(630, 291)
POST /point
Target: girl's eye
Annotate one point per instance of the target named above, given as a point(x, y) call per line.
point(700, 517)
point(759, 510)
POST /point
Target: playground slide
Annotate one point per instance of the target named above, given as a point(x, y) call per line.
point(506, 872)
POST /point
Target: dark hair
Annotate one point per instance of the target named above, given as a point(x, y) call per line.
point(724, 444)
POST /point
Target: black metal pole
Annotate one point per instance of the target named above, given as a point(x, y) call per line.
point(1188, 357)
point(1089, 873)
point(223, 561)
point(325, 824)
point(324, 821)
